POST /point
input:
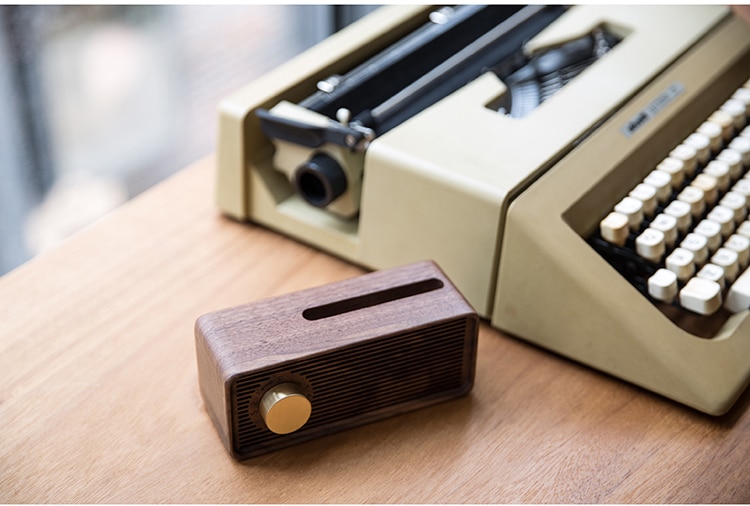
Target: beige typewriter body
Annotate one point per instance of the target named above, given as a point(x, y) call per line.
point(504, 204)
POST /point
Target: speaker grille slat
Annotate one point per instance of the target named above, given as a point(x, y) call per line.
point(361, 378)
point(374, 349)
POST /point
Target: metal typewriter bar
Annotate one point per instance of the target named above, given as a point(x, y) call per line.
point(460, 68)
point(432, 62)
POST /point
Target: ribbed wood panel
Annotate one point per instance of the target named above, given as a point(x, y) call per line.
point(360, 378)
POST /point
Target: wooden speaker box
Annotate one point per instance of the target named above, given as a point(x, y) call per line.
point(288, 369)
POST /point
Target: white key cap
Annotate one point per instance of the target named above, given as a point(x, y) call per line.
point(646, 194)
point(711, 231)
point(681, 211)
point(741, 245)
point(737, 110)
point(742, 146)
point(744, 228)
point(650, 244)
point(633, 209)
point(698, 244)
point(745, 132)
point(725, 121)
point(701, 296)
point(714, 133)
point(614, 228)
point(737, 202)
point(738, 295)
point(668, 226)
point(709, 185)
point(742, 186)
point(724, 217)
point(687, 155)
point(743, 95)
point(681, 262)
point(662, 285)
point(733, 159)
point(695, 197)
point(727, 259)
point(720, 170)
point(661, 182)
point(702, 145)
point(713, 273)
point(675, 168)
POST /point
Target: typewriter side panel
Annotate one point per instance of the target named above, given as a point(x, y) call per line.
point(556, 291)
point(425, 207)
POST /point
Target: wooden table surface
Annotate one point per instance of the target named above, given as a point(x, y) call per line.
point(99, 396)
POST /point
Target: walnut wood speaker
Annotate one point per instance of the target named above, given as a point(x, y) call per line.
point(288, 369)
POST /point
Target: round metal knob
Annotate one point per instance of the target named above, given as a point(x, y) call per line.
point(284, 408)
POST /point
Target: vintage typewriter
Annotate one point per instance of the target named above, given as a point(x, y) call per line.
point(580, 173)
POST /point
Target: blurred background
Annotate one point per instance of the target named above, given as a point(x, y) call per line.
point(98, 103)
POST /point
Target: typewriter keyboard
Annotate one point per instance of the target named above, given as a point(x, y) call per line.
point(682, 234)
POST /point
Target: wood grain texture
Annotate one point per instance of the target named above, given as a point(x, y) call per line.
point(99, 398)
point(359, 349)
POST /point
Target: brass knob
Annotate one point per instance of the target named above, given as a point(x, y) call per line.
point(284, 408)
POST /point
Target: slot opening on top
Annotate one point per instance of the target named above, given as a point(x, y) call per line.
point(372, 299)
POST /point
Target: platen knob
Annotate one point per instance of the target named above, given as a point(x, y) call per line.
point(320, 180)
point(284, 408)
